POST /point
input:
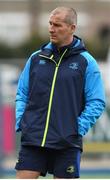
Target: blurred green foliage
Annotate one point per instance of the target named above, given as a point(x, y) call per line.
point(96, 46)
point(31, 45)
point(23, 50)
point(99, 44)
point(5, 51)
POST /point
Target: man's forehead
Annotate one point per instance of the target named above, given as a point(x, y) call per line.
point(57, 16)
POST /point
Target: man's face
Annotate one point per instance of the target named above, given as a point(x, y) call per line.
point(61, 33)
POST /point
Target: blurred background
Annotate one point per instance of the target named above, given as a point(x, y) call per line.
point(23, 28)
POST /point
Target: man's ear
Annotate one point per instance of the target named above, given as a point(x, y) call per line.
point(73, 28)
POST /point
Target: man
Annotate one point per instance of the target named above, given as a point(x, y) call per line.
point(59, 98)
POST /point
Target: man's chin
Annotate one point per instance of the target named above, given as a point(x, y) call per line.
point(53, 41)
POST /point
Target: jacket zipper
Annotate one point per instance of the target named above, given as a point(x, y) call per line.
point(50, 58)
point(51, 94)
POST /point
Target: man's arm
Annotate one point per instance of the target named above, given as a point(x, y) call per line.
point(22, 94)
point(94, 96)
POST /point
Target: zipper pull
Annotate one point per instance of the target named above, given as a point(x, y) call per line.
point(51, 57)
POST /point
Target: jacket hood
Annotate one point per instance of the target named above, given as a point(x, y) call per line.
point(76, 47)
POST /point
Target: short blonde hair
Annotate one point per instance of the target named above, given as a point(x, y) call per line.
point(71, 15)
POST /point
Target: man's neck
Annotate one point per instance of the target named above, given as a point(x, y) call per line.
point(65, 44)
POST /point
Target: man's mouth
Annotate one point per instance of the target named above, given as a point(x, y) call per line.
point(52, 36)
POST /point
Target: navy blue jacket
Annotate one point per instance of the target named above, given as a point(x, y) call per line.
point(60, 96)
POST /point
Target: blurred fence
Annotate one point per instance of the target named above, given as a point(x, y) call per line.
point(8, 82)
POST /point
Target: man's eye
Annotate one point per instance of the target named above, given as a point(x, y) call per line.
point(50, 23)
point(57, 25)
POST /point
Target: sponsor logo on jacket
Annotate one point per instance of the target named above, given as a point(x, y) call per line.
point(73, 65)
point(42, 62)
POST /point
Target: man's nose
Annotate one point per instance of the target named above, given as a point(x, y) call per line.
point(51, 29)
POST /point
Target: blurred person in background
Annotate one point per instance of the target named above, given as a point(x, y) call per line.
point(60, 96)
